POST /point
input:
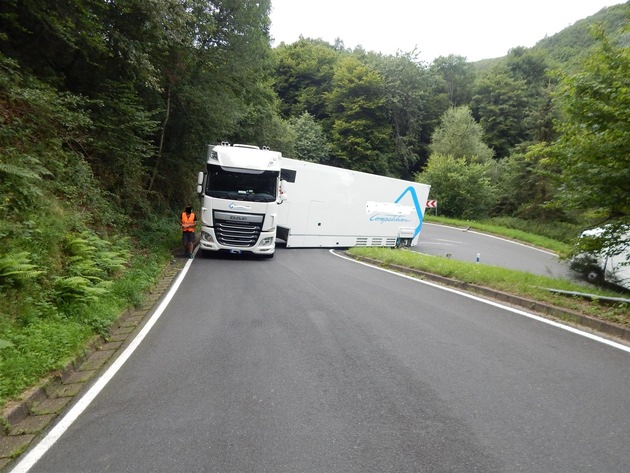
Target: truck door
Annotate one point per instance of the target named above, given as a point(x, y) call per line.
point(316, 214)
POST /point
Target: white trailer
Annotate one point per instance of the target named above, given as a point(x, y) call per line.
point(330, 207)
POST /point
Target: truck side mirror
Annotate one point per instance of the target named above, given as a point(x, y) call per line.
point(282, 196)
point(199, 183)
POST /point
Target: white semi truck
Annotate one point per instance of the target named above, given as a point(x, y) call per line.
point(250, 196)
point(239, 199)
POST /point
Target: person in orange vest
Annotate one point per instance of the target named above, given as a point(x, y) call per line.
point(188, 222)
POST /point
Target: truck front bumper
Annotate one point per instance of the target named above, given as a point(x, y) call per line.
point(265, 245)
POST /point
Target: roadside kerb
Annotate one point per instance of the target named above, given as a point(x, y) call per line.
point(22, 421)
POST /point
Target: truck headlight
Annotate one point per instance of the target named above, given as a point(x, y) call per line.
point(266, 241)
point(207, 237)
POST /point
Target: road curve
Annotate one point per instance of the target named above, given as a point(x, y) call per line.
point(313, 363)
point(469, 245)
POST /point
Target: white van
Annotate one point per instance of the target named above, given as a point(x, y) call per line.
point(610, 265)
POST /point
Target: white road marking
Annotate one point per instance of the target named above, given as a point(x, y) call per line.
point(440, 242)
point(568, 328)
point(34, 455)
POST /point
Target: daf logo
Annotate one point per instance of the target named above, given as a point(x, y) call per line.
point(238, 206)
point(237, 217)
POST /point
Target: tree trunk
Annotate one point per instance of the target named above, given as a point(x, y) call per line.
point(159, 155)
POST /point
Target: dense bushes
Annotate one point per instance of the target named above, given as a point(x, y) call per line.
point(67, 268)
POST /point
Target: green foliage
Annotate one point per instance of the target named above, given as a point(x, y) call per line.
point(412, 105)
point(592, 152)
point(500, 103)
point(26, 137)
point(20, 184)
point(43, 326)
point(552, 236)
point(35, 350)
point(527, 65)
point(460, 136)
point(143, 273)
point(525, 187)
point(360, 132)
point(458, 77)
point(310, 141)
point(557, 234)
point(93, 257)
point(90, 264)
point(463, 189)
point(567, 49)
point(304, 72)
point(78, 290)
point(159, 232)
point(16, 269)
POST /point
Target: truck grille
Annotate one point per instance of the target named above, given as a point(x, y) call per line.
point(243, 233)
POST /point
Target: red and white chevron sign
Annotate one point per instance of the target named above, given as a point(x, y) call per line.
point(431, 204)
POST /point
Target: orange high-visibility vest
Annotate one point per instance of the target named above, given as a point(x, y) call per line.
point(188, 222)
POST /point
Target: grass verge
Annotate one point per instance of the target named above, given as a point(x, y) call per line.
point(31, 350)
point(509, 281)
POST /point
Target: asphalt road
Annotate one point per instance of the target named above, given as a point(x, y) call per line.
point(465, 245)
point(312, 363)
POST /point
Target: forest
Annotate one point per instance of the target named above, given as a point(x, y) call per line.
point(107, 108)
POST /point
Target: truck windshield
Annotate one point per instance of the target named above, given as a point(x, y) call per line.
point(242, 184)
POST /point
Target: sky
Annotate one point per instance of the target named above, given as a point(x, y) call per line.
point(475, 29)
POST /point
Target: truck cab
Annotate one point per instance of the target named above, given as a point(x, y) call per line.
point(239, 196)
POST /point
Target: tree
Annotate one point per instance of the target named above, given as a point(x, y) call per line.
point(410, 89)
point(460, 136)
point(218, 84)
point(463, 189)
point(528, 65)
point(525, 187)
point(500, 105)
point(361, 132)
point(310, 141)
point(303, 74)
point(457, 76)
point(593, 151)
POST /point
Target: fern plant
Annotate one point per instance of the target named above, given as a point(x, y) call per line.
point(16, 269)
point(20, 180)
point(92, 256)
point(90, 265)
point(79, 290)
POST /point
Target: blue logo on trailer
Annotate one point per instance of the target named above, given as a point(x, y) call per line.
point(416, 204)
point(388, 218)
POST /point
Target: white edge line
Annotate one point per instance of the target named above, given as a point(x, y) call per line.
point(538, 318)
point(34, 455)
